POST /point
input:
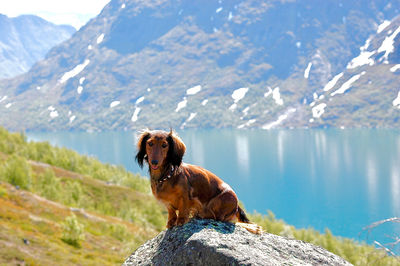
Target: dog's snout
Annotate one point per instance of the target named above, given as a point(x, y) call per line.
point(154, 162)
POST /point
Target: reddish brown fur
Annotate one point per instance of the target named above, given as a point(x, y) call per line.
point(191, 189)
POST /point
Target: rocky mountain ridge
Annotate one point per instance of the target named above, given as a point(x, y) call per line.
point(239, 64)
point(26, 39)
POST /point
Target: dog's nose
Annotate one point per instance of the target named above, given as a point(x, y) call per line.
point(154, 162)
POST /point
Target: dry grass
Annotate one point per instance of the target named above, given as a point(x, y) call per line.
point(24, 215)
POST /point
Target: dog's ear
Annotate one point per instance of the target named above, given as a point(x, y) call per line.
point(141, 147)
point(176, 149)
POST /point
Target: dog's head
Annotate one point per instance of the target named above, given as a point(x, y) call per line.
point(159, 149)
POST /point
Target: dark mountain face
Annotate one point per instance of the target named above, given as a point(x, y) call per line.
point(213, 64)
point(26, 39)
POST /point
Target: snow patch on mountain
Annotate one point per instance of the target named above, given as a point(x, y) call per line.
point(383, 26)
point(135, 114)
point(333, 82)
point(247, 124)
point(318, 110)
point(268, 93)
point(100, 38)
point(280, 119)
point(388, 45)
point(139, 100)
point(181, 104)
point(396, 102)
point(53, 114)
point(363, 59)
point(307, 71)
point(395, 68)
point(194, 90)
point(237, 95)
point(191, 116)
point(3, 98)
point(347, 85)
point(114, 104)
point(72, 118)
point(366, 45)
point(75, 71)
point(246, 110)
point(276, 95)
point(233, 107)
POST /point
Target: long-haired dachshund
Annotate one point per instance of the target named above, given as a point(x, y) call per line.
point(186, 189)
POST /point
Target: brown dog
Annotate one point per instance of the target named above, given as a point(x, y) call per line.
point(183, 188)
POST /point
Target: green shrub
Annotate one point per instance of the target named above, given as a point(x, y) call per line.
point(74, 193)
point(12, 142)
point(17, 172)
point(73, 231)
point(353, 251)
point(268, 222)
point(49, 186)
point(119, 232)
point(3, 192)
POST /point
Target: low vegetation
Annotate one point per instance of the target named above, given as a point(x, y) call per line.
point(57, 205)
point(353, 251)
point(73, 231)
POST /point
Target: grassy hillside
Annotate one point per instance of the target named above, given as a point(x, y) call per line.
point(71, 208)
point(59, 206)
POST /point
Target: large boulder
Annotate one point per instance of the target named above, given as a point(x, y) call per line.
point(208, 242)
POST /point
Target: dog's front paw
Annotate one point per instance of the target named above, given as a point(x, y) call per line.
point(181, 221)
point(171, 223)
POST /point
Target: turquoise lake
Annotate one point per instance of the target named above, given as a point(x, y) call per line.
point(343, 180)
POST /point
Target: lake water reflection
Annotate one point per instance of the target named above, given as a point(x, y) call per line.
point(337, 179)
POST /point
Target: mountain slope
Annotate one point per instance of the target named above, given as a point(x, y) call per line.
point(32, 229)
point(366, 92)
point(216, 64)
point(26, 39)
point(80, 213)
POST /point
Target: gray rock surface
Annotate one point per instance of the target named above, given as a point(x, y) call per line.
point(207, 242)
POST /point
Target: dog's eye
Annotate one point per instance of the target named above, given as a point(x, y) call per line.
point(150, 144)
point(164, 145)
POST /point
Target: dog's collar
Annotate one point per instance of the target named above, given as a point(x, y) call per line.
point(166, 176)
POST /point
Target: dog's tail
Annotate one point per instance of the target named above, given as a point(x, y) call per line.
point(246, 224)
point(242, 216)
